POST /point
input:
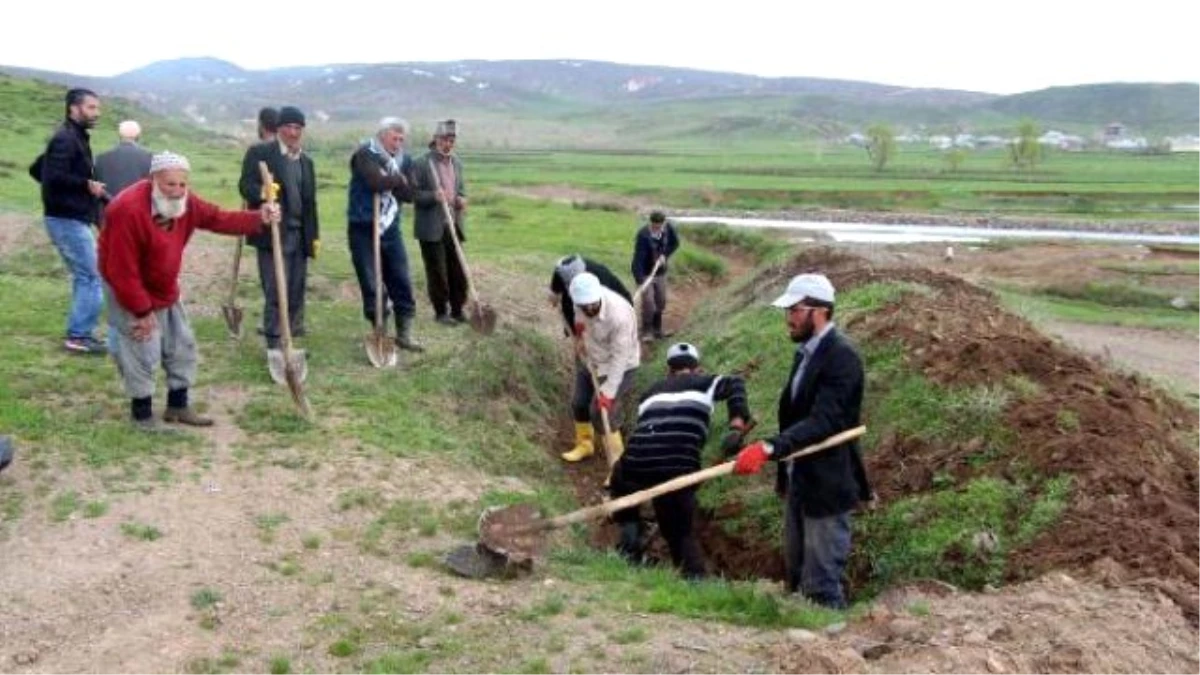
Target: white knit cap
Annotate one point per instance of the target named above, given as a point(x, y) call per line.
point(585, 289)
point(167, 160)
point(129, 130)
point(683, 355)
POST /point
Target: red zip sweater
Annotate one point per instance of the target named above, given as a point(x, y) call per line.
point(140, 260)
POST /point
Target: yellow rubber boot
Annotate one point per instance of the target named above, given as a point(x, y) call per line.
point(584, 445)
point(615, 447)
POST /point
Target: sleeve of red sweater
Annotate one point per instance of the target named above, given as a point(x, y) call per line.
point(216, 219)
point(120, 245)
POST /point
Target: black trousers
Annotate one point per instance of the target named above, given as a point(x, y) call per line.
point(295, 268)
point(676, 514)
point(444, 277)
point(394, 261)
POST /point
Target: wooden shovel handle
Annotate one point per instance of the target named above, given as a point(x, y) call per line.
point(643, 496)
point(649, 280)
point(285, 325)
point(462, 257)
point(378, 267)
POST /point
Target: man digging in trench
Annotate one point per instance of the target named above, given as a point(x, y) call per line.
point(581, 398)
point(141, 253)
point(672, 427)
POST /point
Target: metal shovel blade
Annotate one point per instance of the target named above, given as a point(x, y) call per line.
point(233, 320)
point(483, 318)
point(275, 366)
point(297, 365)
point(515, 533)
point(381, 351)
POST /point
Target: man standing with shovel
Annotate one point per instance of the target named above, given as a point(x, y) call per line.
point(378, 170)
point(439, 206)
point(655, 242)
point(293, 169)
point(821, 397)
point(141, 253)
point(608, 328)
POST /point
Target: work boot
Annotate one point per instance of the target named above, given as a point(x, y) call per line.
point(659, 333)
point(631, 546)
point(615, 447)
point(186, 416)
point(584, 445)
point(151, 425)
point(445, 320)
point(404, 335)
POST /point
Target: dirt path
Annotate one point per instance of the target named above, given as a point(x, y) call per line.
point(1170, 357)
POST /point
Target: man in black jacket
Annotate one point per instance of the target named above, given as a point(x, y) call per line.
point(822, 397)
point(672, 427)
point(293, 170)
point(70, 199)
point(581, 397)
point(437, 182)
point(656, 241)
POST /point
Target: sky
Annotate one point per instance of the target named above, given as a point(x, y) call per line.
point(996, 47)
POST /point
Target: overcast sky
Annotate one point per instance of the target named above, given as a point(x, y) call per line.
point(999, 47)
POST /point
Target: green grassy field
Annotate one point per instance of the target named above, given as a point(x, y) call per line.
point(491, 407)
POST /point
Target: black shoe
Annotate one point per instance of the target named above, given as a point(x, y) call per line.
point(458, 317)
point(445, 320)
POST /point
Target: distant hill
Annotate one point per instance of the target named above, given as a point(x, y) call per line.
point(591, 103)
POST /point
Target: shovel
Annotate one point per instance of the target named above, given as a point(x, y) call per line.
point(483, 317)
point(511, 537)
point(230, 310)
point(295, 367)
point(381, 351)
point(649, 280)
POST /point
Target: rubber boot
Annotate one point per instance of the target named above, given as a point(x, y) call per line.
point(630, 545)
point(404, 338)
point(584, 445)
point(615, 447)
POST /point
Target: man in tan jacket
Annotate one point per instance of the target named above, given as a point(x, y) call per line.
point(608, 326)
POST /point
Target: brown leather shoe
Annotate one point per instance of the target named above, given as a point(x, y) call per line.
point(186, 416)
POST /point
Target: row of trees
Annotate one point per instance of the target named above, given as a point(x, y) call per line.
point(1025, 152)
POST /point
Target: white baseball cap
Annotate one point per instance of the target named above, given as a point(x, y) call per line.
point(585, 289)
point(806, 286)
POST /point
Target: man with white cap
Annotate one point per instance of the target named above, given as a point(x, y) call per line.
point(126, 163)
point(581, 398)
point(608, 328)
point(822, 396)
point(672, 427)
point(141, 253)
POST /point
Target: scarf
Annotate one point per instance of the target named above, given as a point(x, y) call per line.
point(389, 208)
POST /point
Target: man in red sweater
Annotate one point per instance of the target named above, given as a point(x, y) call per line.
point(140, 254)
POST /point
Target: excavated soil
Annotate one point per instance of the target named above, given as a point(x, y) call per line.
point(1133, 518)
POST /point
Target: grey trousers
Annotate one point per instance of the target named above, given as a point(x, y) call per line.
point(815, 551)
point(295, 268)
point(583, 400)
point(173, 345)
point(654, 301)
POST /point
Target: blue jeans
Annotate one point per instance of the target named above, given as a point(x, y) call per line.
point(77, 245)
point(815, 551)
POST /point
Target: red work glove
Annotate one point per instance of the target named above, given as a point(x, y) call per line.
point(751, 459)
point(578, 329)
point(603, 402)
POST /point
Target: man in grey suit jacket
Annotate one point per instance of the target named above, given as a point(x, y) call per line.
point(446, 282)
point(126, 163)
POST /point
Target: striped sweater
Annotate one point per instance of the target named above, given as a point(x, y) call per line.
point(672, 425)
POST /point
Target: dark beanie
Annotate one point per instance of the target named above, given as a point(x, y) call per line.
point(290, 115)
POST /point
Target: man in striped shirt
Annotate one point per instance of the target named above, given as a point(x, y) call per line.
point(672, 427)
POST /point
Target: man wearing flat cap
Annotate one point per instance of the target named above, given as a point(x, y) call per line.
point(141, 253)
point(822, 397)
point(437, 180)
point(292, 169)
